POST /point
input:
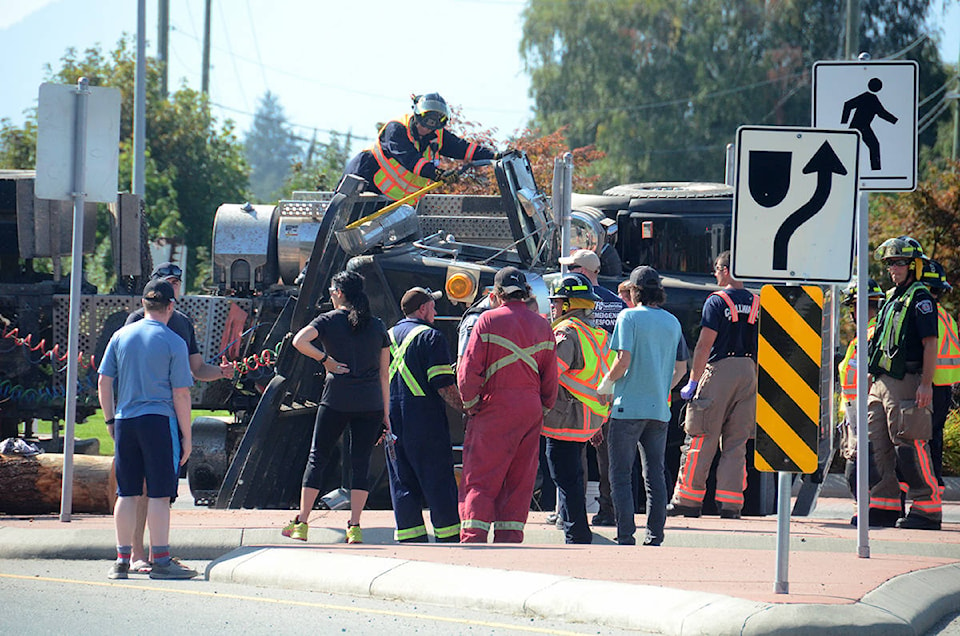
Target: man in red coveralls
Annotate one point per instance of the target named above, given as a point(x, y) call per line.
point(508, 378)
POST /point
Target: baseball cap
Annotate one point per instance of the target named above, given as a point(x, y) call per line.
point(158, 291)
point(586, 259)
point(510, 280)
point(164, 270)
point(646, 276)
point(415, 297)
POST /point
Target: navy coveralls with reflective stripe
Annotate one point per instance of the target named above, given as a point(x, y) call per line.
point(418, 417)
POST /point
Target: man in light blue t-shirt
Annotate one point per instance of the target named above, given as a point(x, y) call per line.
point(651, 359)
point(151, 369)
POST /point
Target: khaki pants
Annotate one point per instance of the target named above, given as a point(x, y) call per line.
point(722, 414)
point(899, 439)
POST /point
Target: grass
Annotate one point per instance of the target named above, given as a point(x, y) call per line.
point(95, 426)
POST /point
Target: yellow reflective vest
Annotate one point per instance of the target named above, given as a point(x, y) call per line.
point(848, 366)
point(582, 383)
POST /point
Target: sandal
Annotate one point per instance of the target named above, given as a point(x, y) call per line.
point(141, 567)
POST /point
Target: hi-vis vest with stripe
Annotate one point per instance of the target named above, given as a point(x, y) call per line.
point(886, 347)
point(392, 179)
point(398, 364)
point(848, 366)
point(948, 350)
point(582, 383)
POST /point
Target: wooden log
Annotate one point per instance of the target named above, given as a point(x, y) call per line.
point(32, 485)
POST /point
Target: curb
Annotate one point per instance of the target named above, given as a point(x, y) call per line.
point(891, 609)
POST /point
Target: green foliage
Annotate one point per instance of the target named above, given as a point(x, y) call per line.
point(192, 165)
point(951, 444)
point(661, 86)
point(321, 167)
point(18, 146)
point(271, 149)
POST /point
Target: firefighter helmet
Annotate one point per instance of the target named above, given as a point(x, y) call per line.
point(430, 111)
point(934, 276)
point(575, 285)
point(900, 247)
point(874, 293)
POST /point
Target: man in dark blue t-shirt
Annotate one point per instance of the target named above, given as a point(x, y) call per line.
point(722, 391)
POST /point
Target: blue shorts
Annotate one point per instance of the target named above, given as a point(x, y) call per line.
point(147, 447)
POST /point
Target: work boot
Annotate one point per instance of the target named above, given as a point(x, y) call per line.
point(676, 510)
point(727, 513)
point(603, 519)
point(879, 518)
point(918, 522)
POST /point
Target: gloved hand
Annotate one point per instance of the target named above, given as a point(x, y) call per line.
point(501, 154)
point(606, 386)
point(448, 176)
point(687, 391)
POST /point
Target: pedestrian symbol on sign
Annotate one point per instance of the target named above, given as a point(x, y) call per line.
point(865, 107)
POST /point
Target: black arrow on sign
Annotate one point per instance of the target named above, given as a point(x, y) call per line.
point(825, 163)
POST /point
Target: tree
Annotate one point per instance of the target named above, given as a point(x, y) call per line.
point(661, 86)
point(192, 163)
point(930, 214)
point(321, 167)
point(271, 149)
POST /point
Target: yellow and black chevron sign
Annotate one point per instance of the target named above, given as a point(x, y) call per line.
point(788, 399)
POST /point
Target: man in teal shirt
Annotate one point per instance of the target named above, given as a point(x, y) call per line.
point(651, 359)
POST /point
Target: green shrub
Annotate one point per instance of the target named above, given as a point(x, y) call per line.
point(951, 444)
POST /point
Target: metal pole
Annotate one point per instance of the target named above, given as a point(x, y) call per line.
point(163, 43)
point(852, 40)
point(140, 101)
point(782, 584)
point(205, 76)
point(76, 275)
point(956, 115)
point(863, 450)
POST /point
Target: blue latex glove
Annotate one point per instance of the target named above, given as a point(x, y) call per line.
point(687, 392)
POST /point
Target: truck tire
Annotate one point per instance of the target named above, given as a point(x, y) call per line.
point(670, 190)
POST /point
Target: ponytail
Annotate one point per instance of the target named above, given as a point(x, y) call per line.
point(351, 285)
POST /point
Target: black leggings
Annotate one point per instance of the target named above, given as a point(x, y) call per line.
point(365, 428)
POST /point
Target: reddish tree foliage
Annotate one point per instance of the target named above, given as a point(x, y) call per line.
point(930, 214)
point(540, 148)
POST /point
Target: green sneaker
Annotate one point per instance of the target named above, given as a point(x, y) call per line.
point(296, 530)
point(354, 534)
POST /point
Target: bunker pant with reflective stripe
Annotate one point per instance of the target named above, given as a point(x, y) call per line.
point(722, 414)
point(500, 457)
point(899, 439)
point(424, 472)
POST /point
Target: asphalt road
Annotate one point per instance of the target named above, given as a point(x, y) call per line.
point(72, 597)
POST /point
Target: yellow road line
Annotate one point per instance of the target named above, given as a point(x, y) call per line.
point(276, 601)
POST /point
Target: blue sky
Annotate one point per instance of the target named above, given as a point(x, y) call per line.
point(335, 65)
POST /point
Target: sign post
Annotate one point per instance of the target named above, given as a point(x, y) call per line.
point(879, 100)
point(67, 145)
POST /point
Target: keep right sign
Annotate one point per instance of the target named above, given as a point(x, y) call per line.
point(878, 99)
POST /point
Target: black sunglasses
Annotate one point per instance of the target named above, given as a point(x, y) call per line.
point(169, 270)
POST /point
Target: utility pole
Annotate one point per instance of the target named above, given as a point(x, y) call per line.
point(956, 113)
point(852, 41)
point(163, 42)
point(140, 103)
point(205, 77)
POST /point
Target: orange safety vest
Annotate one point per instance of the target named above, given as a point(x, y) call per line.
point(582, 383)
point(392, 178)
point(848, 366)
point(948, 350)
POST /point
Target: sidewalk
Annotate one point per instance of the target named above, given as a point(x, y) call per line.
point(710, 576)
